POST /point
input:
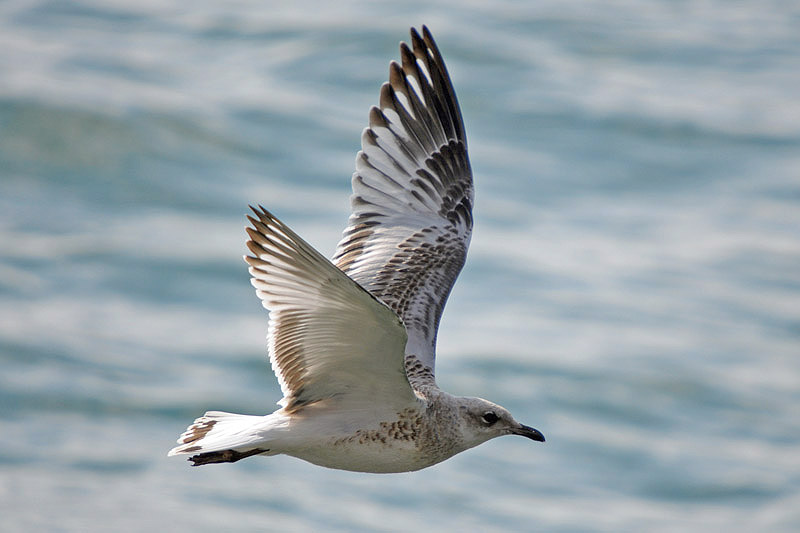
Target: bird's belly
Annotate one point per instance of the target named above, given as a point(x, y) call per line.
point(381, 442)
point(357, 454)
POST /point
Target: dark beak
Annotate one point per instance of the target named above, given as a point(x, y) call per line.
point(526, 431)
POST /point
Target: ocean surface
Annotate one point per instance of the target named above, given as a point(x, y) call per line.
point(632, 289)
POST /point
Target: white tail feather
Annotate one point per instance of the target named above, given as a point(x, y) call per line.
point(217, 431)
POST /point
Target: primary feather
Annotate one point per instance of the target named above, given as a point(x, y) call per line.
point(412, 197)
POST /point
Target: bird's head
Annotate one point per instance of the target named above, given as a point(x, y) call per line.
point(483, 420)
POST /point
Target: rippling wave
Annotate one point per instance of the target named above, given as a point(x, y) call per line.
point(632, 287)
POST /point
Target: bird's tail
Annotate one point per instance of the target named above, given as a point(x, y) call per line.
point(218, 437)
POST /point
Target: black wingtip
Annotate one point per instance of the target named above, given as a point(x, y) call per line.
point(262, 213)
point(426, 33)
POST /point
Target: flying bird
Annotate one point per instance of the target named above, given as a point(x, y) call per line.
point(352, 341)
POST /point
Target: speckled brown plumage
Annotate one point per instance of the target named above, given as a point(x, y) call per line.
point(419, 375)
point(406, 427)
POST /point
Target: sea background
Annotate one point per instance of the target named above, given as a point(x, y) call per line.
point(632, 289)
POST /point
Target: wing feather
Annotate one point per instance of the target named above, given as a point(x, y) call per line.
point(411, 219)
point(328, 337)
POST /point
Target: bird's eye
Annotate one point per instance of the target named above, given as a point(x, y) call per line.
point(489, 418)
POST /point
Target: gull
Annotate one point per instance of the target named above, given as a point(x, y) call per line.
point(353, 341)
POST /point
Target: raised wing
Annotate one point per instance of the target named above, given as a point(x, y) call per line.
point(328, 337)
point(408, 234)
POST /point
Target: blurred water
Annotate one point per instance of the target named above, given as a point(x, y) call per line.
point(632, 288)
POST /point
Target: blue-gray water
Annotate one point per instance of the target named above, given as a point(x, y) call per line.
point(633, 286)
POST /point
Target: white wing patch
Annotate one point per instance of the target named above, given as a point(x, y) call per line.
point(328, 337)
point(408, 234)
